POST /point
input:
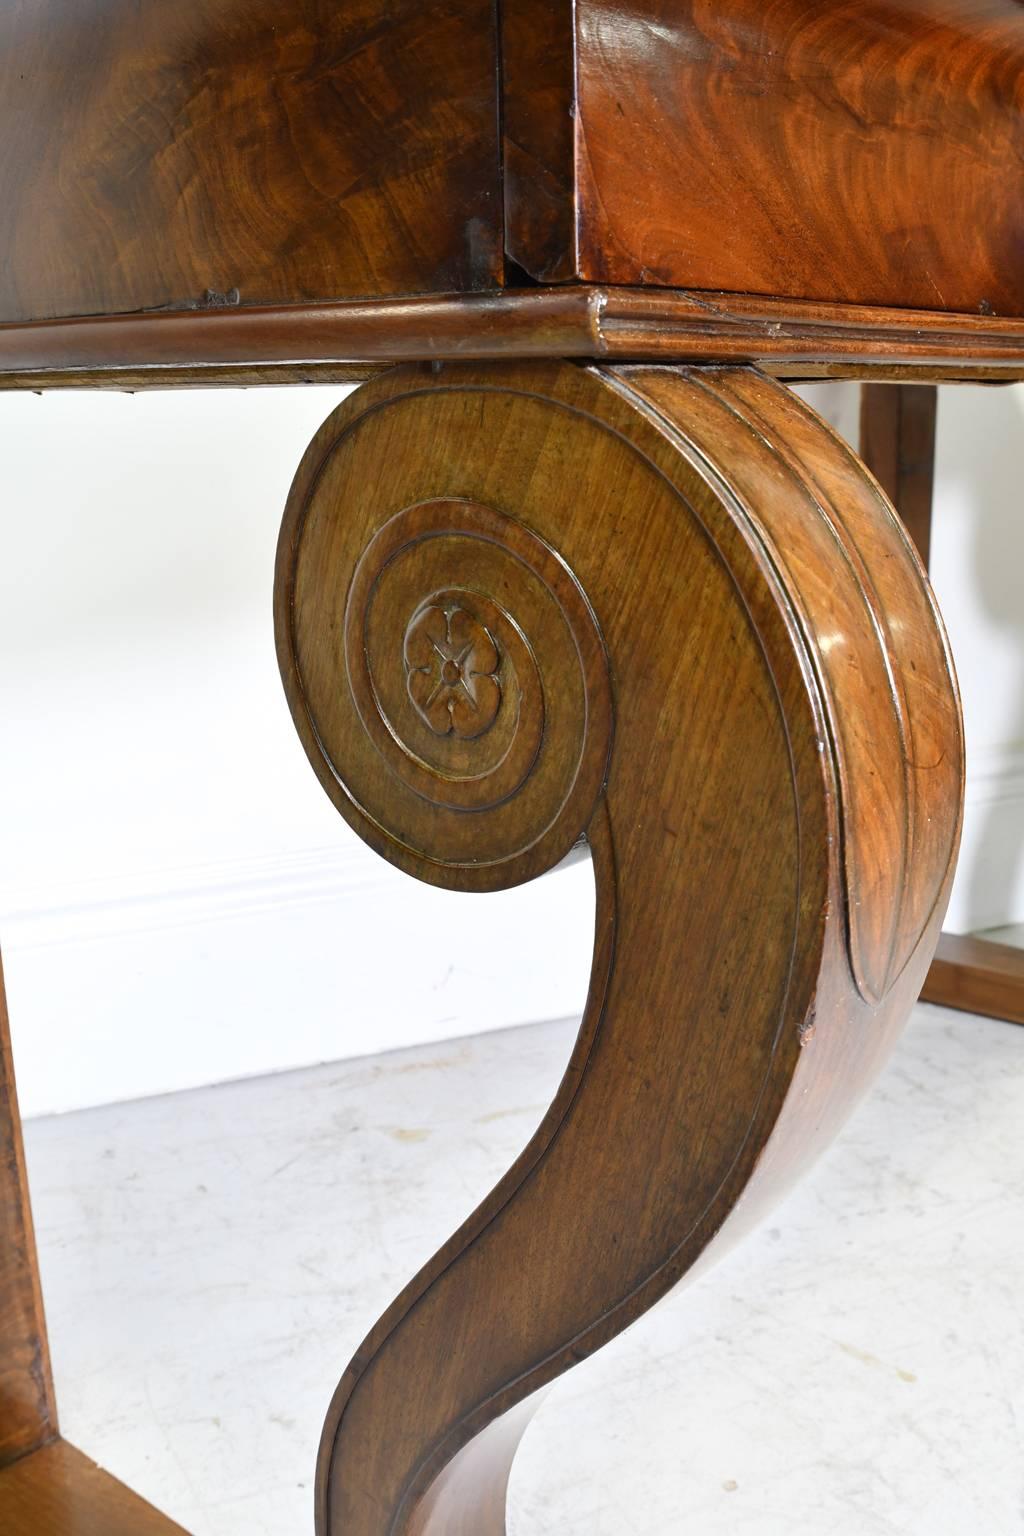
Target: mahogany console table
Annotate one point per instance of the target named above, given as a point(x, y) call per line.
point(573, 563)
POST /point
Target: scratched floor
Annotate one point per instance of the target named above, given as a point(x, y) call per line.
point(211, 1260)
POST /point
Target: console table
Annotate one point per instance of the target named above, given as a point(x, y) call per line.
point(572, 565)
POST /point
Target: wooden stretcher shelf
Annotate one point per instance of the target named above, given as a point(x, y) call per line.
point(57, 1491)
point(978, 975)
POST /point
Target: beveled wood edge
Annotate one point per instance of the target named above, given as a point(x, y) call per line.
point(977, 975)
point(345, 342)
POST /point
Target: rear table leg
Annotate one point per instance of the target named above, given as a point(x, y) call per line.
point(897, 442)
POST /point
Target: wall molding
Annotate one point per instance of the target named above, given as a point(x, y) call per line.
point(989, 888)
point(182, 896)
point(177, 977)
point(181, 978)
point(996, 773)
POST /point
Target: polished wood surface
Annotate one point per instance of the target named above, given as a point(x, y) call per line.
point(347, 341)
point(539, 133)
point(979, 976)
point(297, 152)
point(855, 150)
point(28, 1416)
point(59, 1492)
point(207, 153)
point(666, 608)
point(522, 600)
point(897, 443)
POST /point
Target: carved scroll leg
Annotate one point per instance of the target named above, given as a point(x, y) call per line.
point(667, 608)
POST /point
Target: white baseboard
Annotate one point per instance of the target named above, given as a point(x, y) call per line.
point(191, 894)
point(989, 888)
point(183, 977)
point(199, 975)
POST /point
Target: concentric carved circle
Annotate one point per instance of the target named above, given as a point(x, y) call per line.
point(452, 696)
point(454, 682)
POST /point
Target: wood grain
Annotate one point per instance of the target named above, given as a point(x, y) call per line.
point(28, 1416)
point(215, 155)
point(977, 975)
point(208, 152)
point(855, 150)
point(772, 849)
point(538, 129)
point(305, 343)
point(897, 443)
point(59, 1492)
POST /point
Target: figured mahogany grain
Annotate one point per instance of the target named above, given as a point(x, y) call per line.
point(538, 88)
point(28, 1416)
point(854, 150)
point(773, 846)
point(207, 152)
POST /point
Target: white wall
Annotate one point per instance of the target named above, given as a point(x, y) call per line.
point(179, 902)
point(978, 572)
point(977, 565)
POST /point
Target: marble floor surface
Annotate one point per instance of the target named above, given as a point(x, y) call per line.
point(211, 1259)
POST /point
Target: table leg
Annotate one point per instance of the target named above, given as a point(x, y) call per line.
point(897, 443)
point(47, 1487)
point(666, 609)
point(28, 1415)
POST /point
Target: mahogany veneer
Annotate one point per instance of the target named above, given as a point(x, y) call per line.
point(853, 150)
point(207, 153)
point(577, 567)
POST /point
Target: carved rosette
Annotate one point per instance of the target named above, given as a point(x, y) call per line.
point(451, 670)
point(454, 682)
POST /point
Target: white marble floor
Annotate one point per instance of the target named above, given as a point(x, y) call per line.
point(211, 1259)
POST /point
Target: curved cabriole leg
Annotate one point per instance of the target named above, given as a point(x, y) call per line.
point(670, 610)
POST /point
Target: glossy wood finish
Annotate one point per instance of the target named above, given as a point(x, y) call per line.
point(59, 1492)
point(520, 600)
point(305, 343)
point(666, 608)
point(539, 133)
point(897, 443)
point(211, 152)
point(854, 150)
point(978, 976)
point(294, 151)
point(28, 1417)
